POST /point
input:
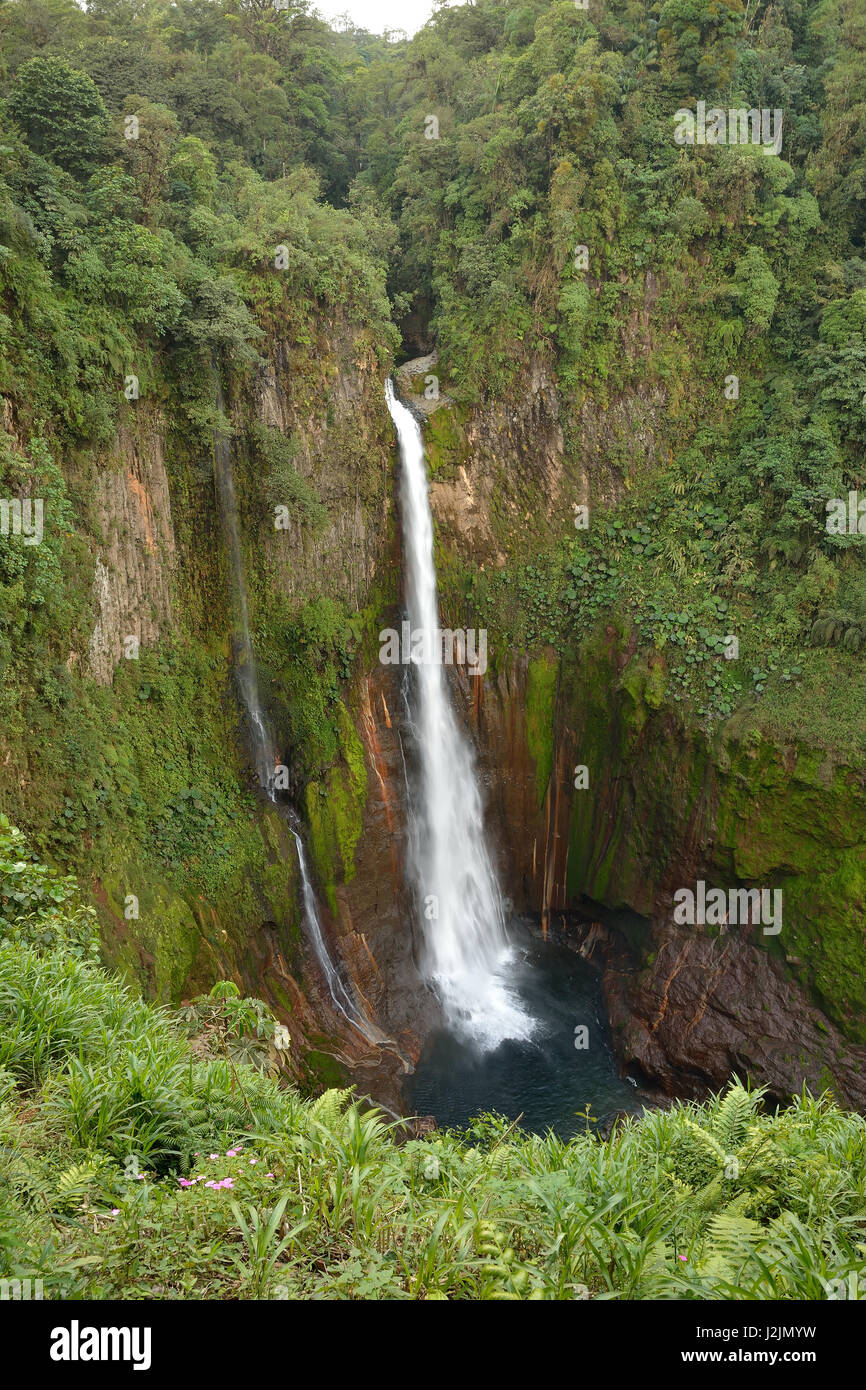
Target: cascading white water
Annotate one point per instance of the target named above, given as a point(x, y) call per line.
point(468, 957)
point(339, 994)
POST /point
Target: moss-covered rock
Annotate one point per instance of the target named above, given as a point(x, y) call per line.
point(666, 806)
point(541, 679)
point(335, 809)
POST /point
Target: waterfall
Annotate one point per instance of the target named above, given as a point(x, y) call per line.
point(245, 664)
point(263, 746)
point(339, 994)
point(466, 943)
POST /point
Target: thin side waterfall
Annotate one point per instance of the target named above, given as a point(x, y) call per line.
point(468, 956)
point(263, 745)
point(245, 664)
point(339, 994)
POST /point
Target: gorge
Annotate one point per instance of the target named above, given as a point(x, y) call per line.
point(460, 943)
point(434, 675)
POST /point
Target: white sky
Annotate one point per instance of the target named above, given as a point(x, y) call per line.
point(379, 15)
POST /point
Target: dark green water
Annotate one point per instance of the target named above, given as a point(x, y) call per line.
point(546, 1080)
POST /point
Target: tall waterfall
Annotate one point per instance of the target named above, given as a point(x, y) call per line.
point(466, 944)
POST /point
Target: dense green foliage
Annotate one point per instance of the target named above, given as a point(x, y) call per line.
point(153, 1156)
point(703, 262)
point(186, 187)
point(37, 906)
point(262, 134)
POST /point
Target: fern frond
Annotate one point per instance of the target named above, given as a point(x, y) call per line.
point(733, 1236)
point(711, 1197)
point(75, 1183)
point(747, 1201)
point(729, 1242)
point(708, 1141)
point(733, 1117)
point(327, 1108)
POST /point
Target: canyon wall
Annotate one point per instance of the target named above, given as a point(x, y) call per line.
point(666, 803)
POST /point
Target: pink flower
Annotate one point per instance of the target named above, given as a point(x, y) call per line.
point(681, 1257)
point(232, 1153)
point(212, 1183)
point(228, 1182)
point(115, 1211)
point(269, 1175)
point(213, 1157)
point(185, 1182)
point(254, 1160)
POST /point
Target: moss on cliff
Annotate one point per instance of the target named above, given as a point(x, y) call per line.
point(825, 928)
point(335, 808)
point(667, 805)
point(541, 680)
point(175, 939)
point(445, 441)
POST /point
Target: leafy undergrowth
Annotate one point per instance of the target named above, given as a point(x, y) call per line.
point(794, 670)
point(137, 1164)
point(150, 1153)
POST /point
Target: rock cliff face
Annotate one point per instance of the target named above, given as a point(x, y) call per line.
point(136, 548)
point(703, 1008)
point(663, 808)
point(160, 576)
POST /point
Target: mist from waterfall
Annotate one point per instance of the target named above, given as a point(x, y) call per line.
point(468, 957)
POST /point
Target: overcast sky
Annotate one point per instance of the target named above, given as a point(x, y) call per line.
point(379, 15)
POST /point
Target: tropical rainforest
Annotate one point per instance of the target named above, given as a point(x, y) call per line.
point(641, 370)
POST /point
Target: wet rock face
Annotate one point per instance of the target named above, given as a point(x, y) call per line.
point(688, 1008)
point(526, 766)
point(708, 1008)
point(375, 920)
point(494, 708)
point(135, 561)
